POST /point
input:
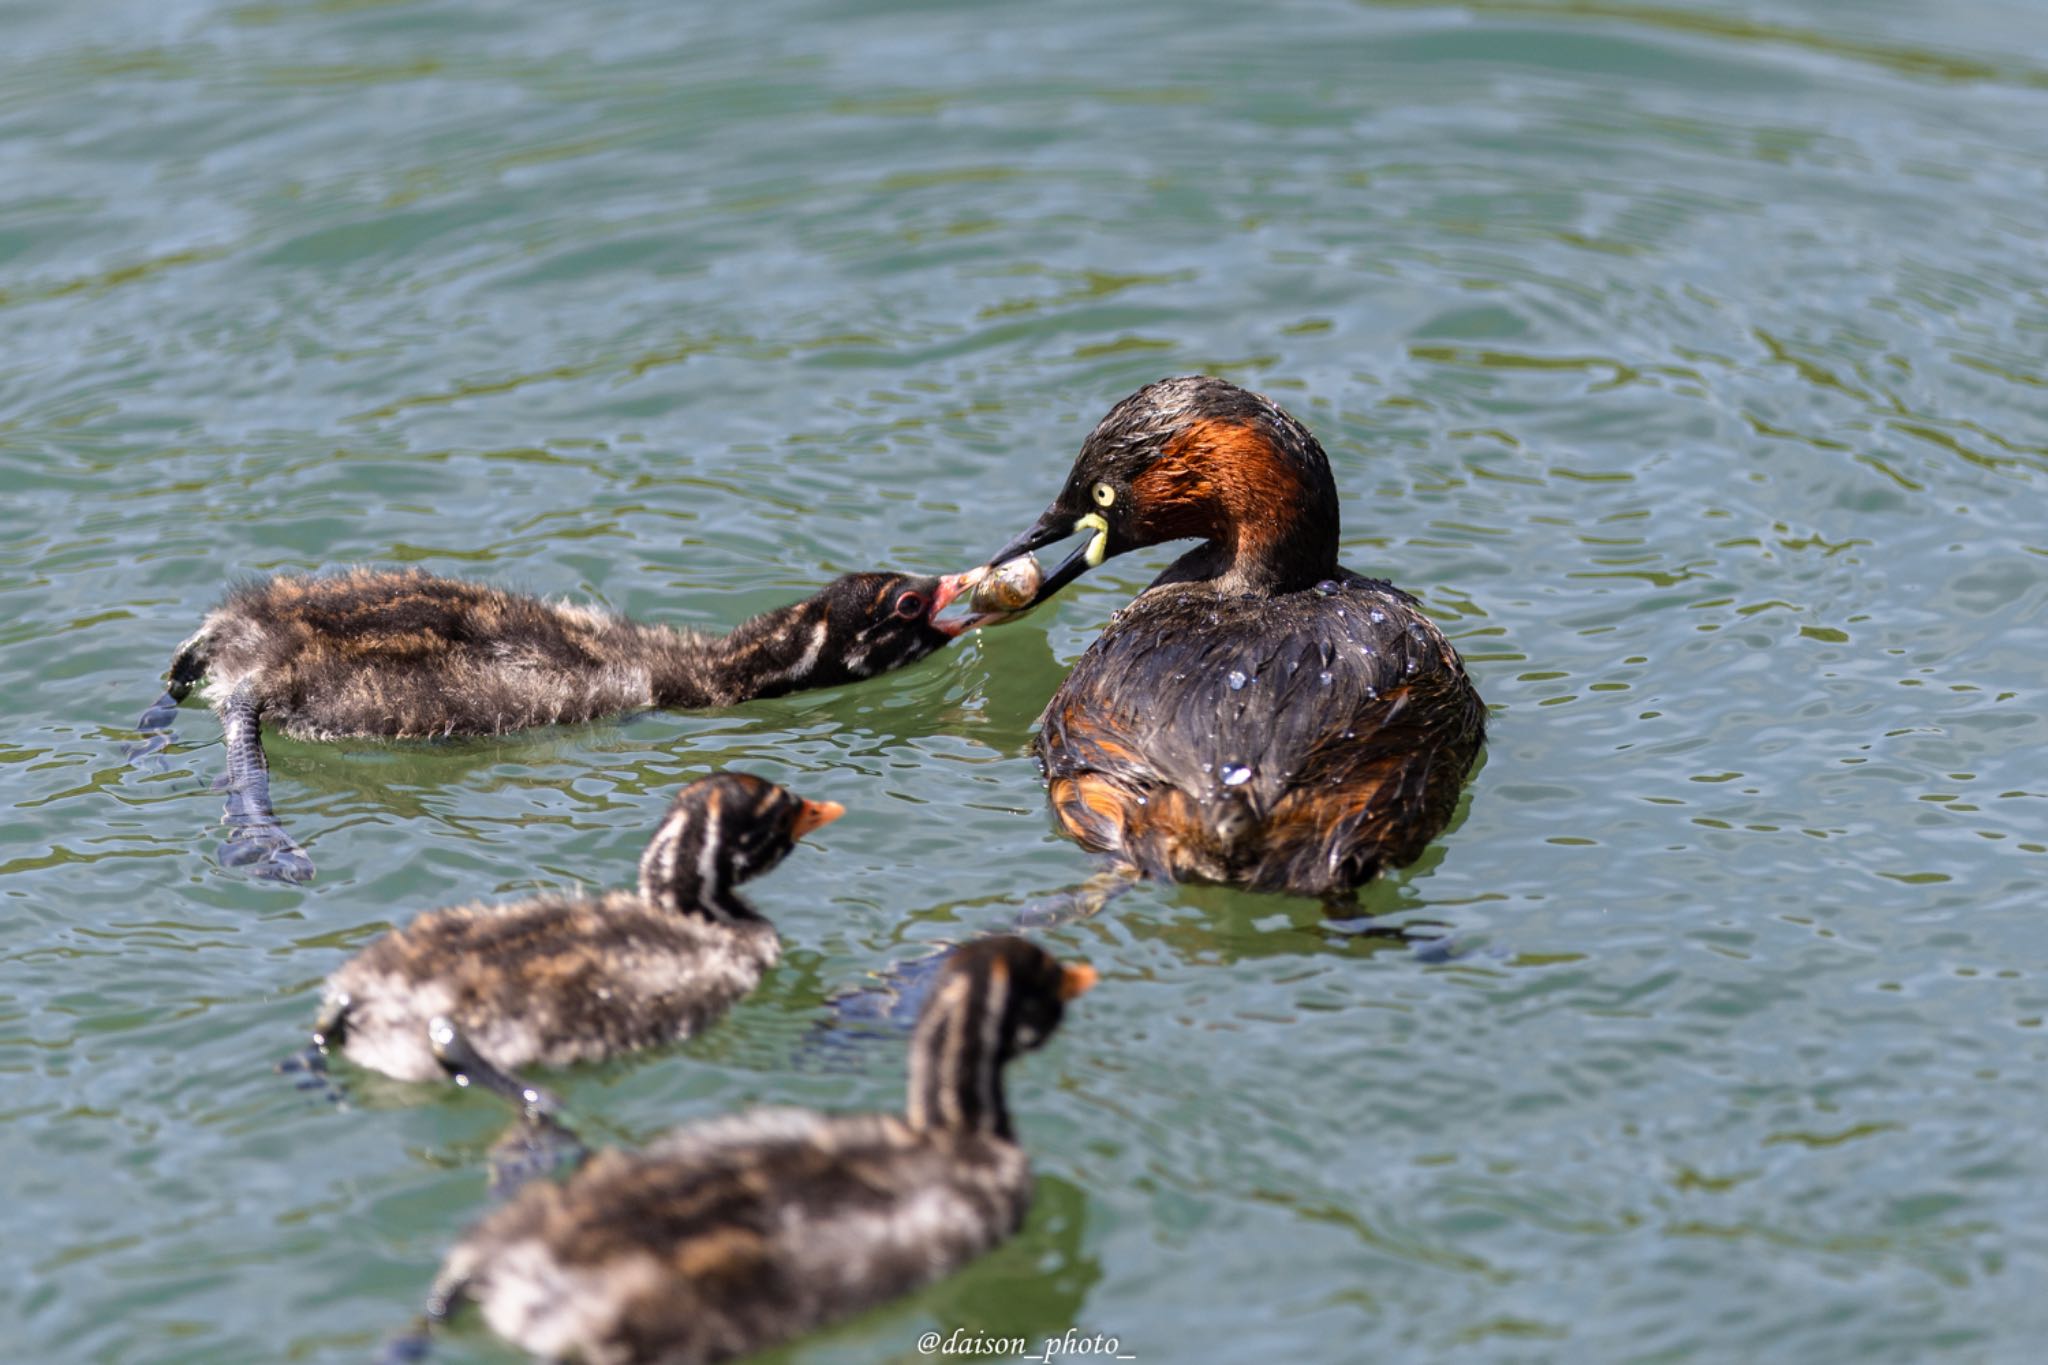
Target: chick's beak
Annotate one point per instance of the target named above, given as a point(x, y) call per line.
point(950, 588)
point(813, 814)
point(1077, 979)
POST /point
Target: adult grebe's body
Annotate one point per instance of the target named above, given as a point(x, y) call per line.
point(1259, 715)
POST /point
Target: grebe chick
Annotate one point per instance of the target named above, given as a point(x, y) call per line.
point(478, 992)
point(385, 654)
point(726, 1237)
point(1259, 715)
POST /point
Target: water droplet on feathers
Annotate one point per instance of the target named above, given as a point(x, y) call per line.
point(1379, 618)
point(1236, 680)
point(1236, 776)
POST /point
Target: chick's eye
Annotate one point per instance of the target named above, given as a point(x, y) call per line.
point(1104, 495)
point(909, 606)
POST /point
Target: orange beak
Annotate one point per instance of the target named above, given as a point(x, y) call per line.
point(814, 814)
point(1076, 978)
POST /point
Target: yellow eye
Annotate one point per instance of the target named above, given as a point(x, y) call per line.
point(1104, 495)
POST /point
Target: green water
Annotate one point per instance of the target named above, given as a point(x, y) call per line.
point(1686, 358)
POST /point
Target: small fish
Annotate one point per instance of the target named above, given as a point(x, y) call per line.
point(993, 592)
point(1008, 586)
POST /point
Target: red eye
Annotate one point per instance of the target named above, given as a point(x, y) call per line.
point(910, 606)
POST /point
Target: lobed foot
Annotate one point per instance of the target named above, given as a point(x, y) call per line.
point(1443, 948)
point(537, 1147)
point(160, 716)
point(267, 852)
point(309, 1066)
point(414, 1345)
point(146, 753)
point(154, 726)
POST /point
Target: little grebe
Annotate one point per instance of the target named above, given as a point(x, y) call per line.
point(478, 991)
point(378, 654)
point(726, 1237)
point(1259, 715)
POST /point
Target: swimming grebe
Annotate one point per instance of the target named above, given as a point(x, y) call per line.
point(477, 992)
point(726, 1237)
point(1259, 715)
point(383, 654)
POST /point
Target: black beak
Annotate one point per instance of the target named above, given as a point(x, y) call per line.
point(1057, 524)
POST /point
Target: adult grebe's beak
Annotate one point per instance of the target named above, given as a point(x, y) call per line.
point(1055, 525)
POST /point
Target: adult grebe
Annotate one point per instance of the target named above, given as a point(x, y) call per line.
point(1259, 715)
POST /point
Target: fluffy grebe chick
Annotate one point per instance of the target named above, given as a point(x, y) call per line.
point(726, 1237)
point(478, 992)
point(1259, 715)
point(384, 654)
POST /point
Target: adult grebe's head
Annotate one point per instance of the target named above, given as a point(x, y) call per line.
point(1197, 458)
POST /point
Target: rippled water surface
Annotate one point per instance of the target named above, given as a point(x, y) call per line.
point(1686, 358)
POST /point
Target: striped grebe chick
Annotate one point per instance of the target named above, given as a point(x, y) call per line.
point(390, 654)
point(479, 992)
point(1260, 715)
point(726, 1237)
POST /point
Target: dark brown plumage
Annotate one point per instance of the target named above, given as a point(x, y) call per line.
point(1259, 715)
point(726, 1237)
point(383, 654)
point(479, 991)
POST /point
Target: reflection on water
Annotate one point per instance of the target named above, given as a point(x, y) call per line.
point(1686, 361)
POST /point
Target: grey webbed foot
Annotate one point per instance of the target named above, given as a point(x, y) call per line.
point(309, 1066)
point(147, 752)
point(1450, 947)
point(888, 1006)
point(160, 715)
point(1443, 948)
point(410, 1347)
point(154, 727)
point(537, 1147)
point(1430, 941)
point(265, 849)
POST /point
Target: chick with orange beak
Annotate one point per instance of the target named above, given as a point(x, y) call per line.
point(476, 992)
